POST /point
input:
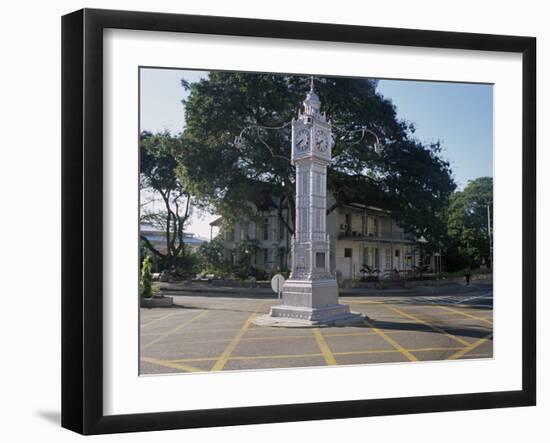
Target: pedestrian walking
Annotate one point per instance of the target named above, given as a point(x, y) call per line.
point(467, 274)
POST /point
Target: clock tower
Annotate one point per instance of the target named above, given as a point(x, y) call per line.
point(310, 295)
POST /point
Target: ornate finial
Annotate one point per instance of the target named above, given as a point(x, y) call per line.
point(312, 104)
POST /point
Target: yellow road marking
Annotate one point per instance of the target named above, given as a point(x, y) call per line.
point(429, 325)
point(171, 331)
point(389, 351)
point(283, 337)
point(470, 348)
point(170, 364)
point(246, 357)
point(465, 314)
point(362, 302)
point(275, 357)
point(198, 330)
point(392, 342)
point(480, 355)
point(164, 317)
point(224, 357)
point(286, 337)
point(324, 347)
point(267, 357)
point(456, 348)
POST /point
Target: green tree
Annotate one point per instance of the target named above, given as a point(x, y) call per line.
point(146, 280)
point(158, 174)
point(246, 250)
point(212, 256)
point(468, 223)
point(408, 176)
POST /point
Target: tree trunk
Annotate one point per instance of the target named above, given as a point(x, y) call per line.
point(151, 247)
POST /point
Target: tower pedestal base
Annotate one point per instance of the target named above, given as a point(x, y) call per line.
point(300, 317)
point(309, 303)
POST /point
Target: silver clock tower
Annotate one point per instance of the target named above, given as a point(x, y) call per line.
point(310, 295)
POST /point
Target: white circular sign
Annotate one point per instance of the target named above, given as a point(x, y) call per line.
point(277, 283)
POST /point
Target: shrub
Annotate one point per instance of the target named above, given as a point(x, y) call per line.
point(146, 280)
point(259, 274)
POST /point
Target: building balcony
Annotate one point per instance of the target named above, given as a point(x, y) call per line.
point(374, 236)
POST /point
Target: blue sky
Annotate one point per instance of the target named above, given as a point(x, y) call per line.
point(161, 94)
point(459, 115)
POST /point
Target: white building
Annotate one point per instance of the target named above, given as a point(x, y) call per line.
point(157, 237)
point(359, 235)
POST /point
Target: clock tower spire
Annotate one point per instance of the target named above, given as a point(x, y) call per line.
point(312, 104)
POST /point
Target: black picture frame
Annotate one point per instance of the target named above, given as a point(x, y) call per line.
point(82, 190)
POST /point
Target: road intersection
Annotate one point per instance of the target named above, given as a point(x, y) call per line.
point(212, 330)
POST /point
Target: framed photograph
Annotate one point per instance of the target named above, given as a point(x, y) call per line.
point(269, 221)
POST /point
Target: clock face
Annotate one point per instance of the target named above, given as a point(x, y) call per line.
point(302, 139)
point(321, 140)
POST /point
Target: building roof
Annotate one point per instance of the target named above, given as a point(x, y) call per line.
point(188, 240)
point(361, 206)
point(217, 222)
point(157, 235)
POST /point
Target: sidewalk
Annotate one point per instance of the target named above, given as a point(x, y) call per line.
point(204, 289)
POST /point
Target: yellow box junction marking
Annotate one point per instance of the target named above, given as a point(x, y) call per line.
point(392, 351)
point(324, 347)
point(171, 331)
point(429, 325)
point(171, 364)
point(288, 356)
point(467, 349)
point(224, 357)
point(286, 337)
point(164, 317)
point(392, 342)
point(352, 301)
point(465, 314)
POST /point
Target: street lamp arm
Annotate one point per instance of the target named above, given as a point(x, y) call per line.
point(363, 130)
point(238, 142)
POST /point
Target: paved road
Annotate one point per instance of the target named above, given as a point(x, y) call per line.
point(440, 290)
point(213, 331)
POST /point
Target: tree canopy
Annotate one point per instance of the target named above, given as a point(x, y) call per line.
point(409, 177)
point(158, 167)
point(468, 222)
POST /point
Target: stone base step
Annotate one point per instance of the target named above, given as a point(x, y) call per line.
point(297, 316)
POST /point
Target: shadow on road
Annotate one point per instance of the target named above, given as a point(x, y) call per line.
point(488, 306)
point(418, 327)
point(251, 293)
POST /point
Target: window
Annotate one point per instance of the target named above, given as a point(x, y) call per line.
point(265, 229)
point(230, 235)
point(397, 253)
point(388, 258)
point(266, 255)
point(347, 226)
point(347, 252)
point(320, 260)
